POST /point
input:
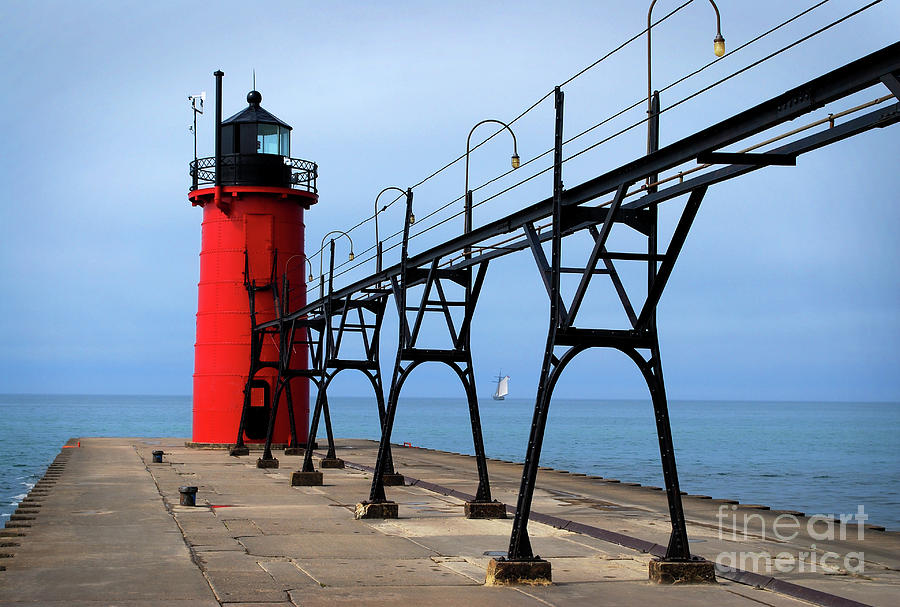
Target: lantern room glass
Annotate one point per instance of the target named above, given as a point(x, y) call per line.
point(273, 139)
point(284, 144)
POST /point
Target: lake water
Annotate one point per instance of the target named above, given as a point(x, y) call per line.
point(819, 458)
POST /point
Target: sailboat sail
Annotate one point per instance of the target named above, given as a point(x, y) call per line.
point(502, 387)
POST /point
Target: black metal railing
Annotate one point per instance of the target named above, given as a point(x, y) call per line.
point(255, 169)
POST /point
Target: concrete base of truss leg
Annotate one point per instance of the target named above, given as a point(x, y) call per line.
point(376, 510)
point(696, 571)
point(267, 463)
point(331, 462)
point(503, 572)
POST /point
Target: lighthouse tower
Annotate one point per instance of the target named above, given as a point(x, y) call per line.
point(253, 195)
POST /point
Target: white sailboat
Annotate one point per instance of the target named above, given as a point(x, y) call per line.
point(502, 387)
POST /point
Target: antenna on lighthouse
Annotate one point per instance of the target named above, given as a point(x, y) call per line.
point(197, 101)
point(196, 108)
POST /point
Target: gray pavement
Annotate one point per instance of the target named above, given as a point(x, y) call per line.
point(105, 528)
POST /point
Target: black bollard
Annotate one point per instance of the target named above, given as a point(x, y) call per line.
point(157, 457)
point(188, 496)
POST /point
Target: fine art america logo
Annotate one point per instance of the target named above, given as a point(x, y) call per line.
point(786, 528)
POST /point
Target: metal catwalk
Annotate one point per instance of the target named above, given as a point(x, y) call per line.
point(325, 322)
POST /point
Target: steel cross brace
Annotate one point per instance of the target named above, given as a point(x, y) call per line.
point(287, 346)
point(312, 335)
point(311, 338)
point(459, 357)
point(634, 214)
point(257, 335)
point(639, 342)
point(369, 331)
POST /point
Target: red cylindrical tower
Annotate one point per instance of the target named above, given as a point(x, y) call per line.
point(256, 205)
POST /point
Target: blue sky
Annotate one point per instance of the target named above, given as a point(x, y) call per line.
point(787, 287)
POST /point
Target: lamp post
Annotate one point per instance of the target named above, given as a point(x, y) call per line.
point(678, 549)
point(284, 281)
point(718, 49)
point(377, 240)
point(307, 263)
point(319, 252)
point(514, 162)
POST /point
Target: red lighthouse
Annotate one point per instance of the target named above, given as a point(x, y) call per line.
point(253, 195)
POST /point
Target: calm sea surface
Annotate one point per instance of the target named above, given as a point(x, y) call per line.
point(820, 458)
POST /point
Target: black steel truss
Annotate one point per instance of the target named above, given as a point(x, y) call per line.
point(458, 357)
point(306, 332)
point(257, 338)
point(881, 67)
point(317, 335)
point(369, 314)
point(639, 341)
point(571, 213)
point(309, 334)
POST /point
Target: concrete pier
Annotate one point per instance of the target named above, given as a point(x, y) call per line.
point(105, 527)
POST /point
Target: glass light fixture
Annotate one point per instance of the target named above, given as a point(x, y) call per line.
point(412, 218)
point(719, 45)
point(515, 160)
point(309, 278)
point(351, 255)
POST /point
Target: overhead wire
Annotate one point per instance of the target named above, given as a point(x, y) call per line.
point(549, 93)
point(776, 53)
point(617, 114)
point(626, 109)
point(830, 119)
point(690, 75)
point(622, 131)
point(523, 113)
point(733, 74)
point(693, 95)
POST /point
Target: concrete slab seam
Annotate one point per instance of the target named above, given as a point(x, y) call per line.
point(739, 576)
point(194, 558)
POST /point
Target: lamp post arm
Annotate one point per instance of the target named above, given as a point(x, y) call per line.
point(377, 239)
point(469, 142)
point(500, 122)
point(649, 26)
point(321, 248)
point(289, 261)
point(376, 207)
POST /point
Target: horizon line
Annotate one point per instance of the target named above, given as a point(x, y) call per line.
point(628, 399)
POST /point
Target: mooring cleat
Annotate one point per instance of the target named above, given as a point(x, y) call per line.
point(295, 451)
point(503, 572)
point(492, 509)
point(695, 571)
point(306, 479)
point(331, 462)
point(267, 463)
point(238, 451)
point(188, 496)
point(376, 510)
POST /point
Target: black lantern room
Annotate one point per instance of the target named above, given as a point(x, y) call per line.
point(256, 147)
